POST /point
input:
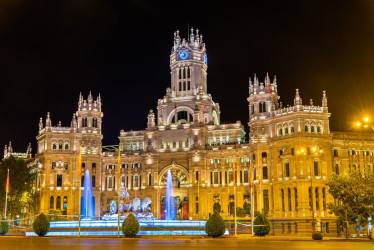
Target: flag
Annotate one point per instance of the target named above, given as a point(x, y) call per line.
point(7, 182)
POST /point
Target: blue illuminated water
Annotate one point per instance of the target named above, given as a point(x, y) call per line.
point(87, 200)
point(169, 202)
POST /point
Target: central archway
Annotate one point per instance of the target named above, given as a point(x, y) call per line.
point(180, 190)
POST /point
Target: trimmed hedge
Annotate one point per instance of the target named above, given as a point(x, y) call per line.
point(41, 225)
point(317, 236)
point(215, 226)
point(264, 229)
point(4, 227)
point(130, 226)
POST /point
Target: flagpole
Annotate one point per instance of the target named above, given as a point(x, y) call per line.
point(6, 194)
point(119, 185)
point(79, 189)
point(234, 179)
point(252, 200)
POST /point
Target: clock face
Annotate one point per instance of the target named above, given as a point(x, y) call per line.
point(205, 58)
point(183, 54)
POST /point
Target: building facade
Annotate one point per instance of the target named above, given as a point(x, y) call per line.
point(290, 153)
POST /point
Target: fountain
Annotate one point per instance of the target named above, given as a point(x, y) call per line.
point(87, 200)
point(169, 202)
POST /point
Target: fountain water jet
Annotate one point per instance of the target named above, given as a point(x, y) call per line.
point(87, 200)
point(169, 203)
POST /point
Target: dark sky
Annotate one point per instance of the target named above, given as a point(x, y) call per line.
point(52, 50)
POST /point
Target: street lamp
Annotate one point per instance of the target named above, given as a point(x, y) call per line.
point(366, 122)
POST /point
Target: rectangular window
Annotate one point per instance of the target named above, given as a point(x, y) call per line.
point(59, 180)
point(265, 173)
point(180, 86)
point(215, 177)
point(246, 179)
point(188, 85)
point(197, 207)
point(184, 86)
point(93, 181)
point(136, 181)
point(230, 176)
point(197, 175)
point(306, 128)
point(316, 168)
point(336, 154)
point(287, 169)
point(149, 179)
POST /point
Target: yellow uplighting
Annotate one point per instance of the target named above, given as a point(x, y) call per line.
point(302, 150)
point(365, 126)
point(314, 148)
point(358, 124)
point(366, 119)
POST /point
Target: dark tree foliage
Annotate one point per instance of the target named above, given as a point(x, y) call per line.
point(240, 212)
point(354, 194)
point(317, 236)
point(216, 207)
point(215, 226)
point(247, 208)
point(263, 227)
point(21, 181)
point(4, 227)
point(41, 225)
point(130, 226)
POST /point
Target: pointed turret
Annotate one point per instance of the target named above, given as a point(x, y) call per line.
point(10, 148)
point(298, 104)
point(48, 122)
point(5, 151)
point(324, 102)
point(40, 124)
point(29, 151)
point(151, 120)
point(89, 99)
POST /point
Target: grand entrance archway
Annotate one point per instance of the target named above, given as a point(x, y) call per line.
point(180, 190)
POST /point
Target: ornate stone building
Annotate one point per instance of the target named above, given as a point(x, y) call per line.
point(290, 153)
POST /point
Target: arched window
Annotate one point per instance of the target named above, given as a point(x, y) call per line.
point(65, 202)
point(286, 131)
point(266, 201)
point(230, 176)
point(180, 74)
point(149, 179)
point(110, 182)
point(59, 180)
point(316, 173)
point(93, 181)
point(60, 146)
point(82, 181)
point(280, 131)
point(310, 198)
point(58, 203)
point(306, 128)
point(312, 129)
point(317, 198)
point(184, 73)
point(197, 175)
point(84, 122)
point(318, 129)
point(66, 146)
point(324, 198)
point(53, 165)
point(188, 72)
point(51, 202)
point(54, 146)
point(93, 168)
point(292, 129)
point(94, 122)
point(289, 200)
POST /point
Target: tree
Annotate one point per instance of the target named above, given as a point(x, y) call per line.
point(354, 197)
point(216, 207)
point(22, 178)
point(263, 225)
point(41, 225)
point(215, 226)
point(130, 226)
point(4, 227)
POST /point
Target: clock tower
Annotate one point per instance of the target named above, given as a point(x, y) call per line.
point(187, 100)
point(188, 64)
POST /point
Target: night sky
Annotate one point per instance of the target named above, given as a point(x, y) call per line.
point(52, 50)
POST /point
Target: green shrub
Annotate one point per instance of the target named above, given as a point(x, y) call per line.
point(41, 225)
point(4, 227)
point(317, 236)
point(247, 208)
point(264, 229)
point(130, 226)
point(370, 235)
point(215, 226)
point(216, 207)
